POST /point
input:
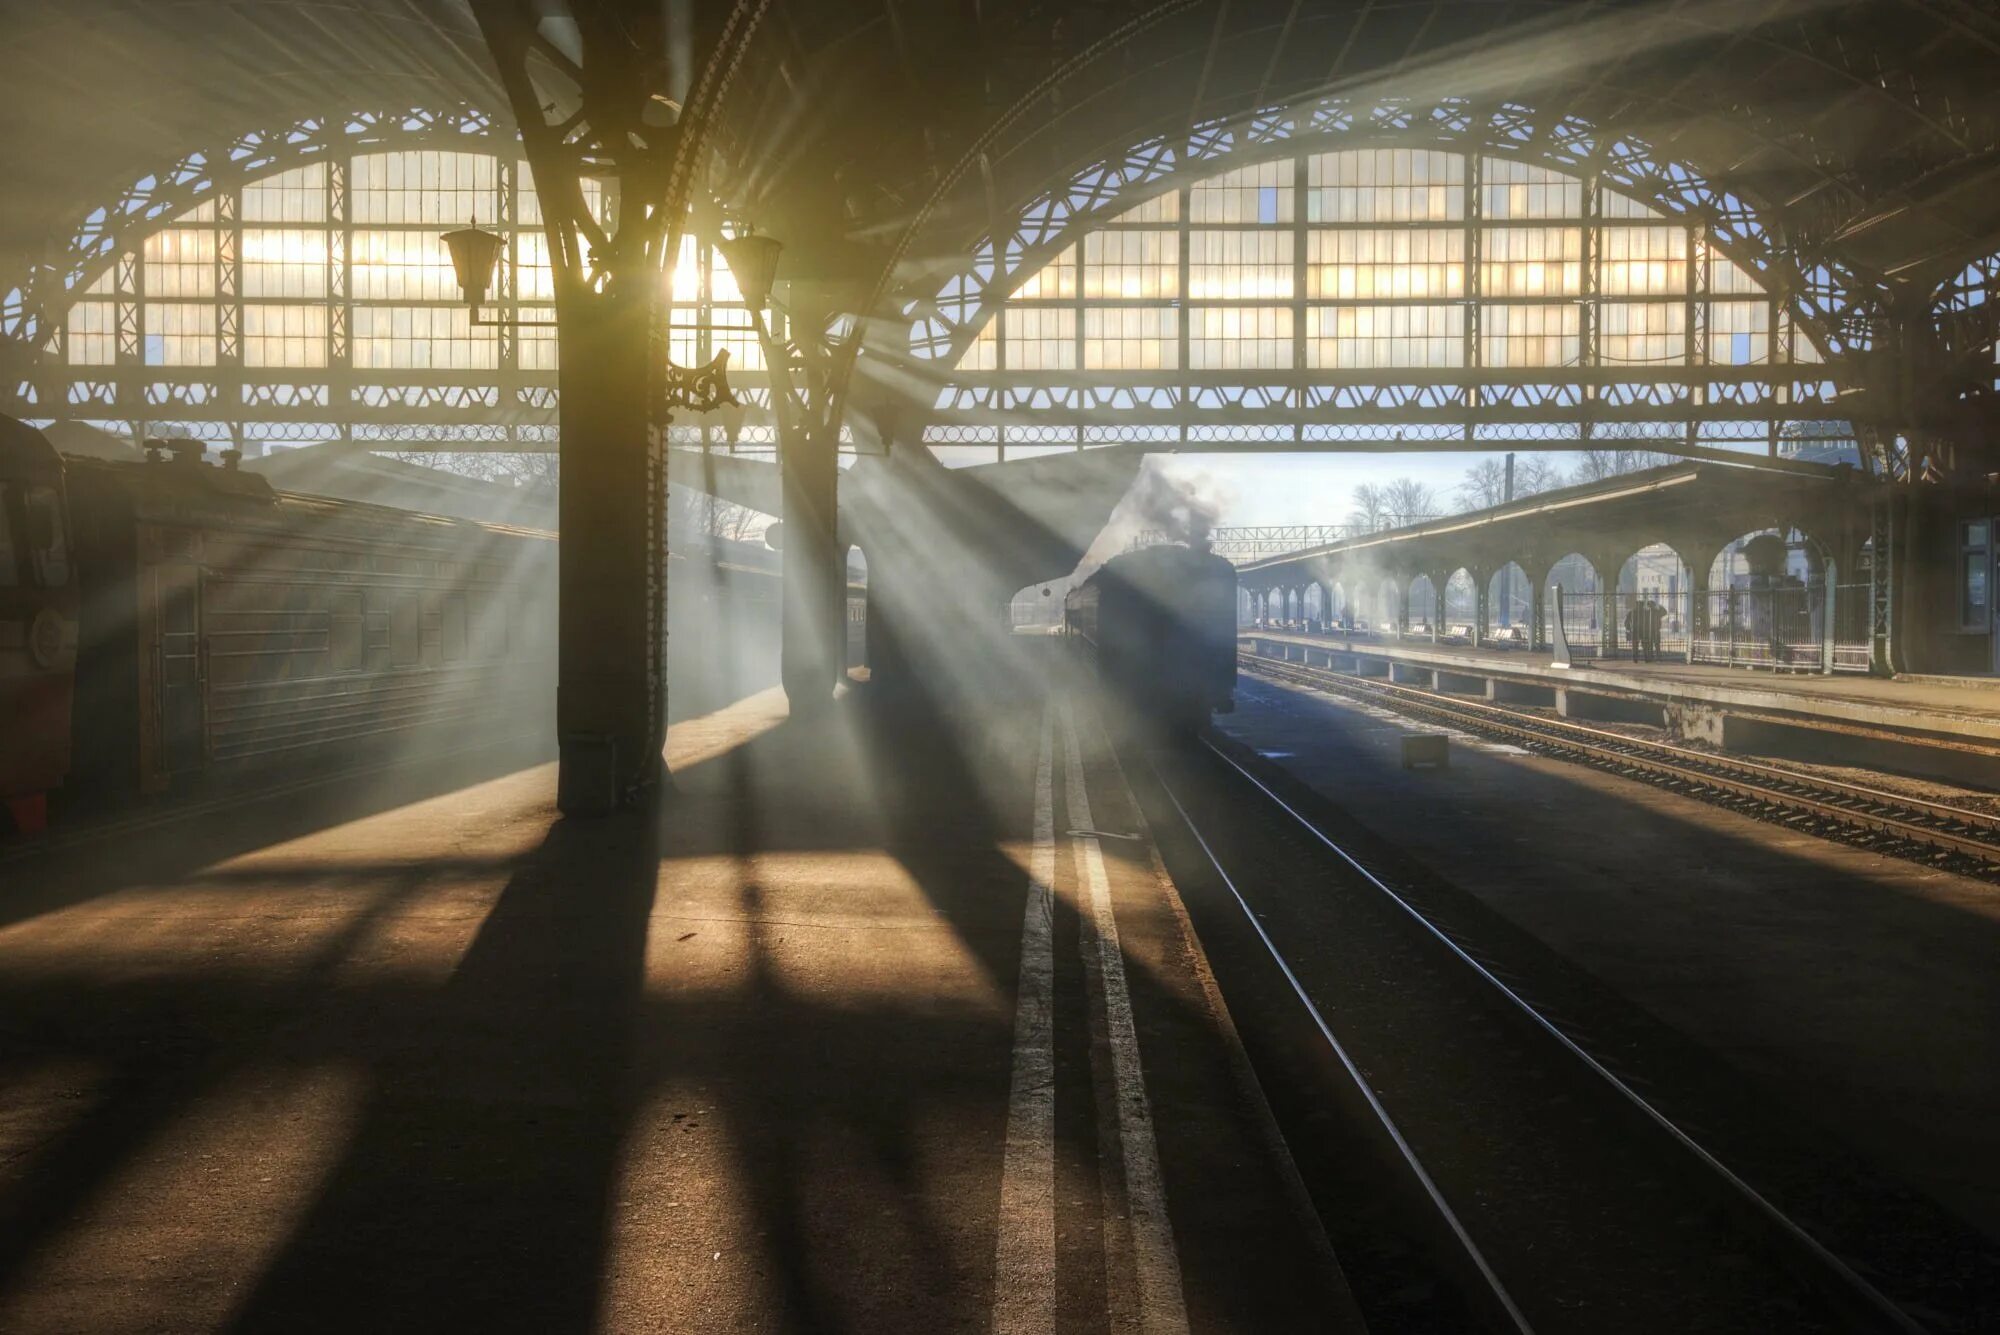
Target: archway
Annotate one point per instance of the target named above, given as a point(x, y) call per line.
point(1766, 604)
point(1582, 607)
point(1337, 606)
point(1264, 608)
point(1420, 605)
point(1655, 584)
point(1510, 606)
point(1461, 604)
point(1391, 604)
point(1765, 553)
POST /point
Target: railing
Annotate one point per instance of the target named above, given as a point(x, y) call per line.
point(1582, 622)
point(1781, 629)
point(1786, 628)
point(1631, 611)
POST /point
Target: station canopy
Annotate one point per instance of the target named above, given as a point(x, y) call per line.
point(1487, 224)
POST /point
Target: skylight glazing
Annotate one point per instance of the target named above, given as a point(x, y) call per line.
point(1351, 292)
point(319, 301)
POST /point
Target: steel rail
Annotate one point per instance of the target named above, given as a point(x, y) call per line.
point(1940, 810)
point(1914, 819)
point(1854, 1289)
point(1495, 1289)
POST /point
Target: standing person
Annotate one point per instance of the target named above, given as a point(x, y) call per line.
point(1656, 617)
point(1635, 629)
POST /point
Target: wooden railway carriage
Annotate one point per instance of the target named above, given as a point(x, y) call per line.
point(38, 625)
point(172, 622)
point(227, 626)
point(1159, 625)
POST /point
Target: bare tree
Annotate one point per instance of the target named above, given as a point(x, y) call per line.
point(1535, 473)
point(1484, 485)
point(1370, 510)
point(1594, 465)
point(533, 472)
point(1410, 501)
point(733, 522)
point(697, 518)
point(1628, 448)
point(539, 472)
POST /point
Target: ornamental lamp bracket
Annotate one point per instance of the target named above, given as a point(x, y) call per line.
point(698, 389)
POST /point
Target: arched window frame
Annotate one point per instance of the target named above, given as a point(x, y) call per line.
point(510, 405)
point(1816, 308)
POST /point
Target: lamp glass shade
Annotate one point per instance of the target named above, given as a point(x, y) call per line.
point(473, 255)
point(753, 259)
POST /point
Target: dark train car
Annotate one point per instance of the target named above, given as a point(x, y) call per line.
point(1159, 626)
point(38, 625)
point(228, 627)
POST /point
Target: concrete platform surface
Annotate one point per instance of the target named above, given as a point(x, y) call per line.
point(1964, 707)
point(875, 1027)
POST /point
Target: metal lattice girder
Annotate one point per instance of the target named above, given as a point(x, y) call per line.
point(1861, 135)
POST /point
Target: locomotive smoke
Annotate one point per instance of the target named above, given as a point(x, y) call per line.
point(1183, 506)
point(1176, 506)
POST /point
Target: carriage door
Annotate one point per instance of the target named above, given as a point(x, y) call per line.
point(181, 674)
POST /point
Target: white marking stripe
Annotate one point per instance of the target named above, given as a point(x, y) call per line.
point(1024, 1264)
point(1157, 1268)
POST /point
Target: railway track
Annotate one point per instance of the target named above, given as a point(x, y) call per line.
point(1557, 1197)
point(1770, 791)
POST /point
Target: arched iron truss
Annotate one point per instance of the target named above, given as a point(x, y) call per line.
point(1837, 304)
point(1830, 304)
point(28, 311)
point(1838, 309)
point(509, 406)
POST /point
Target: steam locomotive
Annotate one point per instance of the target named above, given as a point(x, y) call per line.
point(1158, 625)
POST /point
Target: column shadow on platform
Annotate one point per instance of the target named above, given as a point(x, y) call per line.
point(40, 881)
point(475, 1184)
point(476, 1189)
point(473, 1193)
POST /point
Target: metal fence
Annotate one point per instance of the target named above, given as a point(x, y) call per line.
point(1786, 628)
point(1790, 628)
point(1668, 613)
point(1582, 622)
point(1852, 628)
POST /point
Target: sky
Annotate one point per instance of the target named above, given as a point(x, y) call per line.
point(1254, 489)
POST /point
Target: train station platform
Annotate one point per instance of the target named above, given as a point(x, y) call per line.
point(875, 1025)
point(1948, 727)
